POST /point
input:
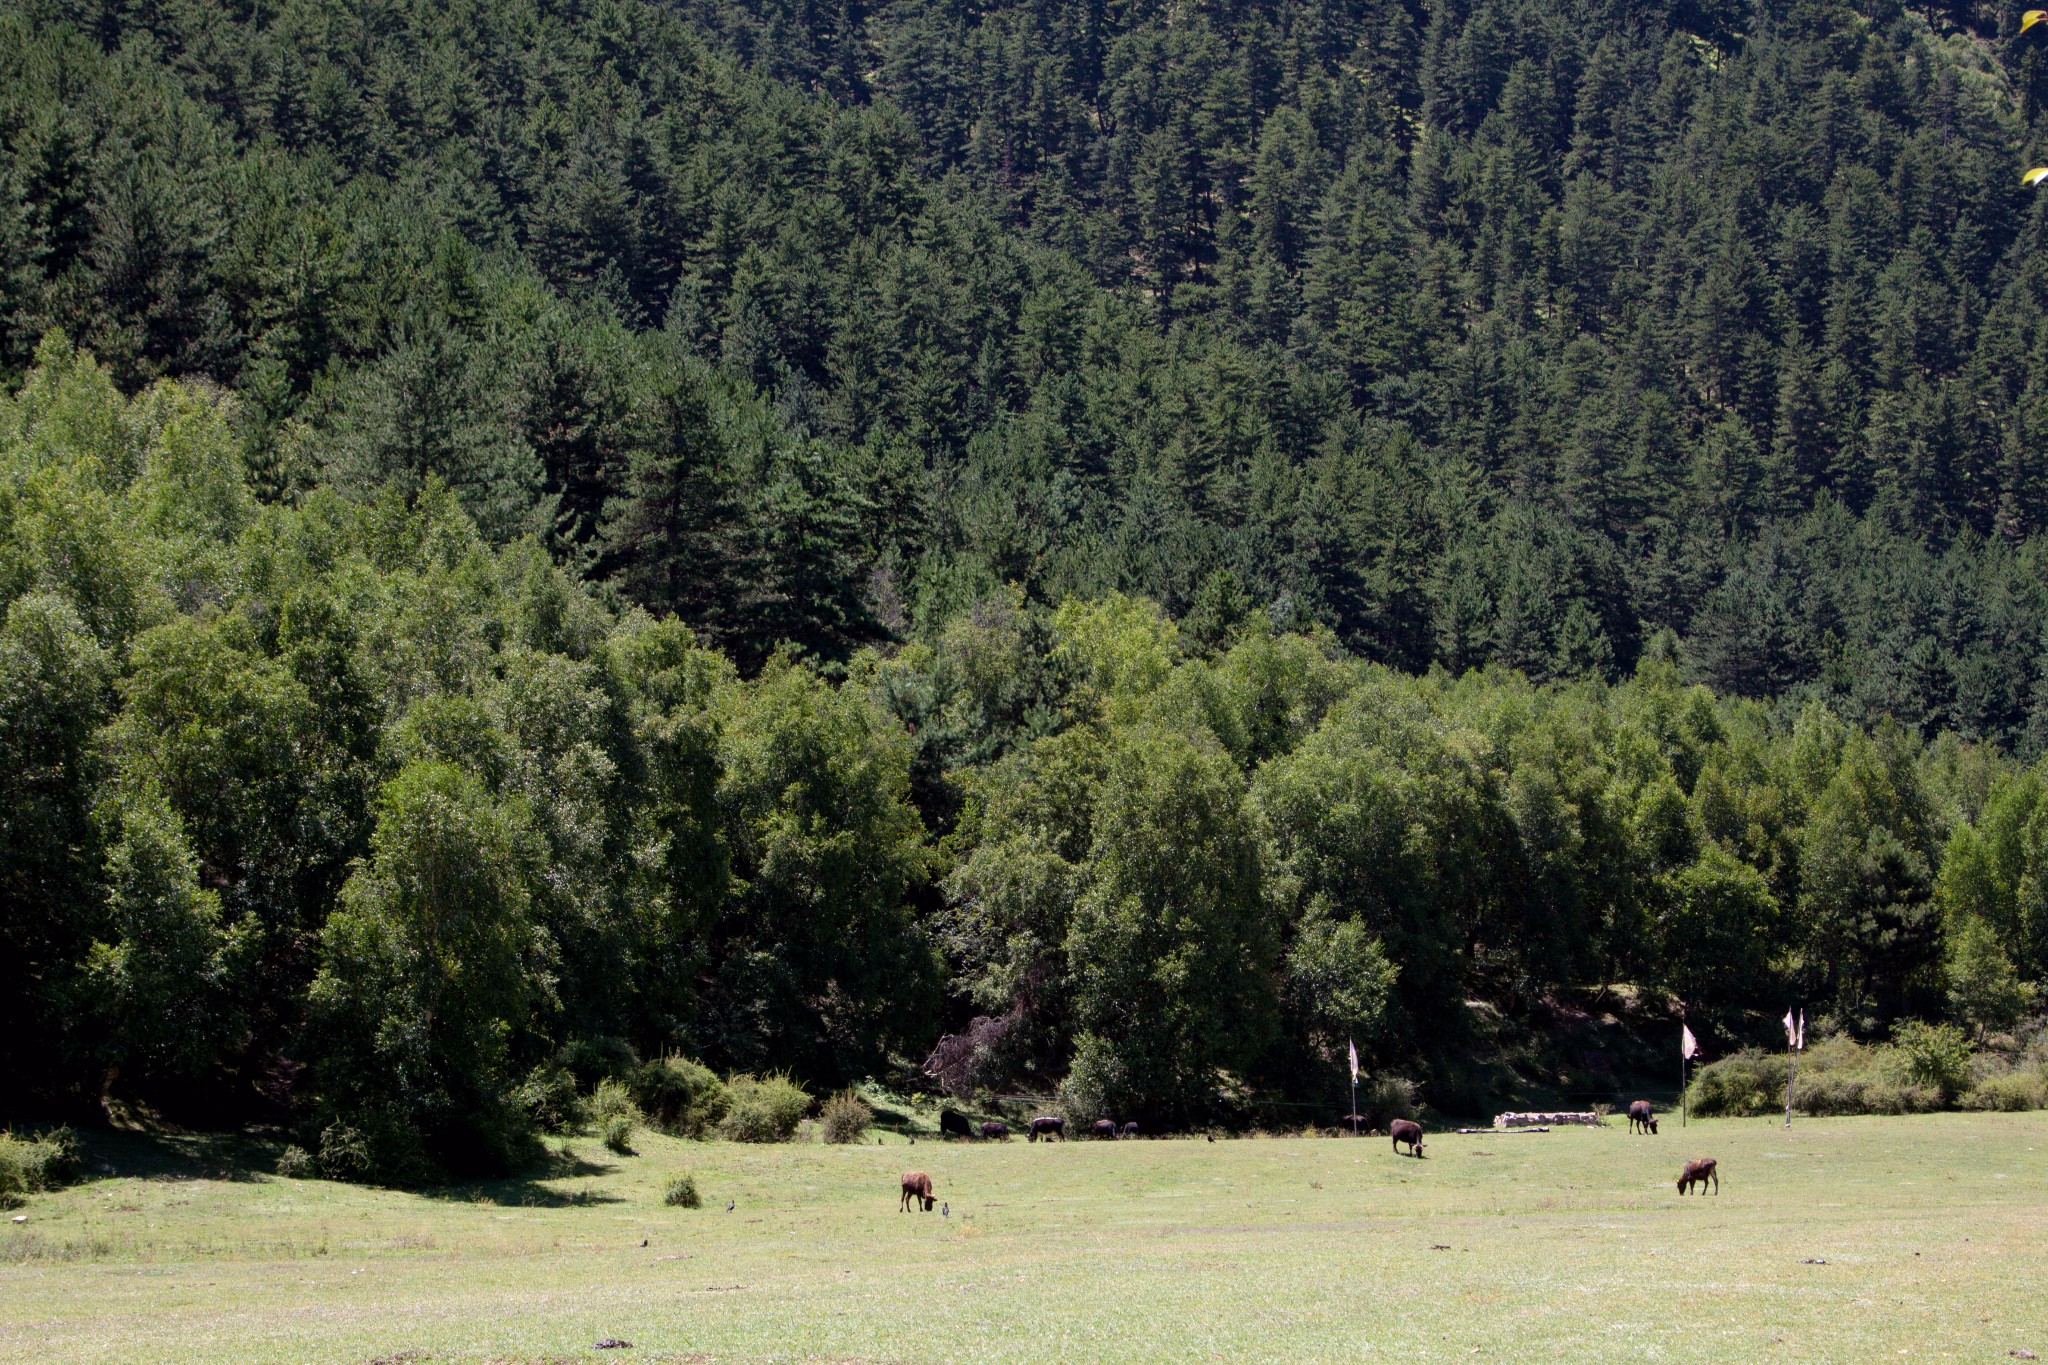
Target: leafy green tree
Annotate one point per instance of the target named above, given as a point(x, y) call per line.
point(54, 691)
point(1982, 986)
point(817, 961)
point(163, 986)
point(1173, 956)
point(425, 976)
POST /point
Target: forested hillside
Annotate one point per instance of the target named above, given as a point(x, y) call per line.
point(530, 531)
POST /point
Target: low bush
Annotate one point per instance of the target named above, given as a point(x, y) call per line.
point(679, 1096)
point(34, 1165)
point(296, 1163)
point(682, 1193)
point(1934, 1055)
point(611, 1100)
point(845, 1118)
point(1824, 1093)
point(763, 1109)
point(1749, 1083)
point(1928, 1068)
point(1383, 1099)
point(618, 1134)
point(345, 1153)
point(2011, 1092)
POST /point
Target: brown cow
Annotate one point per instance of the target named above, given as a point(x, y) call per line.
point(1129, 1130)
point(1408, 1131)
point(992, 1129)
point(916, 1185)
point(1640, 1118)
point(1699, 1171)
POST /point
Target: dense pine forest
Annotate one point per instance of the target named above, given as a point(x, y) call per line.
point(1113, 546)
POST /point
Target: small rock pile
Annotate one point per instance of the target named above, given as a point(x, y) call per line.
point(1589, 1118)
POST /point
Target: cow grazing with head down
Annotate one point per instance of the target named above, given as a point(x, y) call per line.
point(1408, 1131)
point(1105, 1128)
point(1641, 1119)
point(953, 1122)
point(1129, 1130)
point(992, 1129)
point(1048, 1126)
point(916, 1185)
point(1699, 1171)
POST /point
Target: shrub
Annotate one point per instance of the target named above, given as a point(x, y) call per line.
point(2012, 1092)
point(682, 1193)
point(592, 1059)
point(763, 1109)
point(33, 1165)
point(548, 1098)
point(1749, 1083)
point(845, 1118)
point(618, 1134)
point(1822, 1093)
point(611, 1100)
point(1934, 1055)
point(345, 1153)
point(296, 1163)
point(1383, 1099)
point(679, 1096)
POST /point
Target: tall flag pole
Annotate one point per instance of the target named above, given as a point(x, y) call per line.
point(1354, 1087)
point(1795, 1039)
point(1688, 1048)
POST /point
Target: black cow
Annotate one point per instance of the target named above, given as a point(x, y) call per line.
point(993, 1129)
point(1048, 1126)
point(953, 1122)
point(1129, 1130)
point(1105, 1128)
point(1640, 1119)
point(1408, 1131)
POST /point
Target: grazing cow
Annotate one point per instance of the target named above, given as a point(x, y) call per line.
point(1699, 1171)
point(992, 1129)
point(1048, 1126)
point(916, 1185)
point(1640, 1119)
point(952, 1121)
point(1408, 1131)
point(1105, 1128)
point(1130, 1129)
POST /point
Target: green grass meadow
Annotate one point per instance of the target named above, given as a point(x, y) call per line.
point(1570, 1245)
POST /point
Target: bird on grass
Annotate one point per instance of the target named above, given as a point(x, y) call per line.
point(729, 1204)
point(945, 1210)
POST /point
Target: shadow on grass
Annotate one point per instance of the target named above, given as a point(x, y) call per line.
point(526, 1188)
point(253, 1157)
point(177, 1155)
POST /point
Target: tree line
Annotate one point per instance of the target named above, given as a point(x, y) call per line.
point(1473, 332)
point(333, 812)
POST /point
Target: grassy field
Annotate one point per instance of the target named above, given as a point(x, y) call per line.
point(1843, 1240)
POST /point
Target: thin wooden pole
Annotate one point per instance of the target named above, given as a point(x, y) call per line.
point(1683, 1029)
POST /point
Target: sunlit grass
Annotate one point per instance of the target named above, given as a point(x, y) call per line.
point(1924, 1233)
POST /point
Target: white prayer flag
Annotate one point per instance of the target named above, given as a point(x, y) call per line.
point(1791, 1031)
point(1801, 1043)
point(1688, 1046)
point(1354, 1062)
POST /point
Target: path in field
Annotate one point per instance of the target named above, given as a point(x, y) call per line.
point(1571, 1245)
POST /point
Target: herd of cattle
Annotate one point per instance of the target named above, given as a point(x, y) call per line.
point(917, 1185)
